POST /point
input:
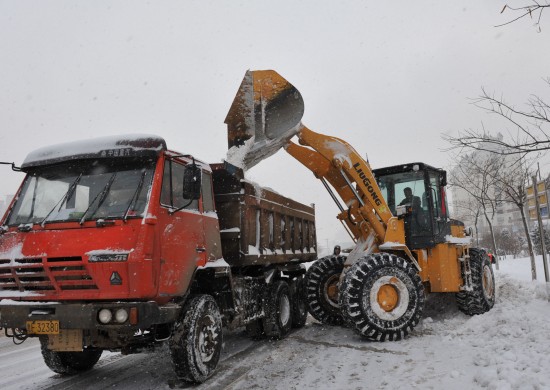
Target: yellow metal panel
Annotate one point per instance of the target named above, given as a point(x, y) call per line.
point(457, 231)
point(444, 268)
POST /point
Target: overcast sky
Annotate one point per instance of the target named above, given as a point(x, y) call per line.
point(388, 77)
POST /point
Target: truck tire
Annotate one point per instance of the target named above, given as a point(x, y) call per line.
point(382, 297)
point(482, 297)
point(196, 341)
point(69, 363)
point(278, 318)
point(298, 302)
point(322, 280)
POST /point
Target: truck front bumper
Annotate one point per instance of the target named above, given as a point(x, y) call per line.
point(86, 315)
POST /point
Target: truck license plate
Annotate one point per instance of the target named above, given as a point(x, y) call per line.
point(43, 327)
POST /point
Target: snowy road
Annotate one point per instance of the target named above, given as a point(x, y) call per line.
point(507, 348)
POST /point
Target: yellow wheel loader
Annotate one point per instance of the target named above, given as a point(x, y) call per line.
point(406, 245)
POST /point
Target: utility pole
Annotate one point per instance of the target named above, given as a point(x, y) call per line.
point(541, 230)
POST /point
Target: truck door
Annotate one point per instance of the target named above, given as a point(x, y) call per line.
point(210, 220)
point(182, 236)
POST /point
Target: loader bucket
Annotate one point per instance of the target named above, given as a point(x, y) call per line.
point(266, 113)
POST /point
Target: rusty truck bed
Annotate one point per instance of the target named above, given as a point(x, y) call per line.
point(259, 226)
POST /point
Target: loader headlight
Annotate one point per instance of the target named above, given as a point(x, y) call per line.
point(121, 316)
point(105, 316)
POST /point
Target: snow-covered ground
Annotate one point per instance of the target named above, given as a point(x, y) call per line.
point(506, 348)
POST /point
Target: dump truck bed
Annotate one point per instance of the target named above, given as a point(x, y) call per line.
point(259, 226)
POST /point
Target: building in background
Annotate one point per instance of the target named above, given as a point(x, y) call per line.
point(542, 190)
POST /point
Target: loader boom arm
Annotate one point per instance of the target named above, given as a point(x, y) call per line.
point(337, 162)
point(266, 114)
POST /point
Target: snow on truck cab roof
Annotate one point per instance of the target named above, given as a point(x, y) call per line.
point(130, 145)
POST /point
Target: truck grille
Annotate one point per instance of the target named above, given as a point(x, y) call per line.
point(45, 274)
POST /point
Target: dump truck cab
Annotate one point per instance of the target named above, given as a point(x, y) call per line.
point(115, 244)
point(425, 209)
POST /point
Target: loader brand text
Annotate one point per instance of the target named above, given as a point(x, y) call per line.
point(367, 184)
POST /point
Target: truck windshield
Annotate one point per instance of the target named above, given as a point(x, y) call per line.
point(90, 189)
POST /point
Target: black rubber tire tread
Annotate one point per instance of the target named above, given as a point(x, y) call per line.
point(255, 330)
point(184, 348)
point(299, 302)
point(316, 276)
point(475, 301)
point(272, 322)
point(358, 313)
point(69, 363)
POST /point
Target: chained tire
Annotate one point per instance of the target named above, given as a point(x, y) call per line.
point(278, 318)
point(298, 302)
point(69, 363)
point(196, 341)
point(482, 296)
point(322, 280)
point(382, 297)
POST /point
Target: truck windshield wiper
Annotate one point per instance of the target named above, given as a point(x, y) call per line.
point(134, 198)
point(67, 196)
point(102, 195)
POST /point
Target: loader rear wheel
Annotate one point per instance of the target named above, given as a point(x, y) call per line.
point(322, 286)
point(299, 304)
point(69, 363)
point(382, 297)
point(196, 341)
point(482, 297)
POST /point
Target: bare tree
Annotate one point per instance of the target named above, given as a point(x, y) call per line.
point(533, 10)
point(530, 127)
point(513, 179)
point(475, 173)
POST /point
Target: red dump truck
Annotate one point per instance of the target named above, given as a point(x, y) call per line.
point(121, 244)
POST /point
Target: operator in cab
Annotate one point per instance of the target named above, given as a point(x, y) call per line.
point(413, 201)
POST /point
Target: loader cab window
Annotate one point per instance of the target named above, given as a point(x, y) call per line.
point(172, 194)
point(426, 223)
point(406, 186)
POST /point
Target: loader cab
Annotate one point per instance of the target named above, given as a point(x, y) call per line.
point(426, 216)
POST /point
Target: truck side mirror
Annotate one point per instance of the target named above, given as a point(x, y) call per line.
point(191, 182)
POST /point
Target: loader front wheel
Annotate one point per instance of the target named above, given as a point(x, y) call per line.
point(482, 296)
point(69, 363)
point(196, 341)
point(382, 297)
point(322, 289)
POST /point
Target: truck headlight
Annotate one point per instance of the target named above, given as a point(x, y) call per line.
point(105, 316)
point(121, 316)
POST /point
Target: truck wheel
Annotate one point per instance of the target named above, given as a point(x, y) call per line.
point(69, 363)
point(322, 280)
point(298, 302)
point(382, 297)
point(482, 297)
point(255, 330)
point(278, 318)
point(196, 341)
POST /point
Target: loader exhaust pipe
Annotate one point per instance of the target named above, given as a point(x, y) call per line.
point(265, 114)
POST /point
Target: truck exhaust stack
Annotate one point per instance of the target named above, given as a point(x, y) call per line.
point(265, 114)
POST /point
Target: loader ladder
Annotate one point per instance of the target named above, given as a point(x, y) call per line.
point(465, 267)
